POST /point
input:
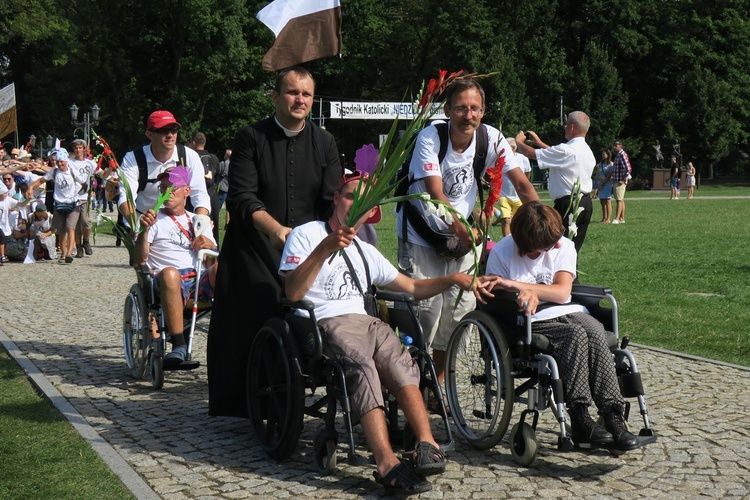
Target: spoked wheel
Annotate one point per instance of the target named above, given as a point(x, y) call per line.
point(478, 382)
point(523, 444)
point(135, 331)
point(157, 367)
point(275, 391)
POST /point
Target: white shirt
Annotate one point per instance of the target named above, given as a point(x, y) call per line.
point(67, 185)
point(29, 178)
point(6, 206)
point(509, 190)
point(504, 261)
point(334, 292)
point(169, 246)
point(456, 170)
point(567, 163)
point(84, 169)
point(147, 198)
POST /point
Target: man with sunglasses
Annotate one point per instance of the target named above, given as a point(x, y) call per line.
point(142, 167)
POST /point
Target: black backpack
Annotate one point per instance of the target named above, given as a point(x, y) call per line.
point(414, 217)
point(140, 159)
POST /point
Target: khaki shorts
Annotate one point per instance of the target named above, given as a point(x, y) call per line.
point(371, 354)
point(508, 207)
point(618, 192)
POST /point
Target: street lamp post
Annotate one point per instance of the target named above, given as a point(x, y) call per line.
point(88, 120)
point(50, 140)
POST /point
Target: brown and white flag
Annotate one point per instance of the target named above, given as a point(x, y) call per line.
point(305, 30)
point(8, 119)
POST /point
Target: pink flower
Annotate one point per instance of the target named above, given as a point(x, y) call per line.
point(366, 159)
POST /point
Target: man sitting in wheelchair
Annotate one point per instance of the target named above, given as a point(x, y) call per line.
point(169, 245)
point(539, 264)
point(367, 348)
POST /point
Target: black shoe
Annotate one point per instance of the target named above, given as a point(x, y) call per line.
point(118, 242)
point(87, 248)
point(584, 429)
point(79, 252)
point(615, 423)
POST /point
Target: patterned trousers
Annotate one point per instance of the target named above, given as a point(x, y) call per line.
point(583, 359)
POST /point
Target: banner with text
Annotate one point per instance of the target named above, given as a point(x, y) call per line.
point(380, 110)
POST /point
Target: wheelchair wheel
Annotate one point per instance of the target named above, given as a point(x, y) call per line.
point(324, 447)
point(157, 370)
point(523, 444)
point(275, 391)
point(135, 331)
point(479, 385)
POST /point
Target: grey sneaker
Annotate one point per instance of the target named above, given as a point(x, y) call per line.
point(79, 252)
point(87, 248)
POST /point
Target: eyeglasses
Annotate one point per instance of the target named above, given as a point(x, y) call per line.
point(166, 130)
point(464, 110)
point(7, 178)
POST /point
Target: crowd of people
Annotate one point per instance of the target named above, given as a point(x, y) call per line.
point(288, 198)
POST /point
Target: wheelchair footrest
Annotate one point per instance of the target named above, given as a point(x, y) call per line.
point(188, 364)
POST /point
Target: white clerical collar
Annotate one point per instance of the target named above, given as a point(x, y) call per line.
point(287, 132)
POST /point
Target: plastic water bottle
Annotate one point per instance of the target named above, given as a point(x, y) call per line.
point(406, 339)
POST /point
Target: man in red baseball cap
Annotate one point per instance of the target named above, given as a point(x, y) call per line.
point(142, 166)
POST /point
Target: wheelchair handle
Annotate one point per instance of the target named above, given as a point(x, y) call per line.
point(394, 296)
point(206, 251)
point(299, 304)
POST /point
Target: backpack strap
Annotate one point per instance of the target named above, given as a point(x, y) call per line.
point(442, 129)
point(480, 157)
point(140, 159)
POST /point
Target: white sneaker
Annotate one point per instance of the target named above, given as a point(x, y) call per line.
point(615, 221)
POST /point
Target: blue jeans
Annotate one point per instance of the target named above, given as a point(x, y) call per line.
point(222, 198)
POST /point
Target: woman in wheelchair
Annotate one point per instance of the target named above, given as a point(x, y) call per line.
point(539, 264)
point(316, 259)
point(169, 246)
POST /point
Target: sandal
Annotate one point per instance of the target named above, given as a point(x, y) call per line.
point(402, 481)
point(428, 460)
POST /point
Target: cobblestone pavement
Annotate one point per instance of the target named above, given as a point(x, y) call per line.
point(699, 409)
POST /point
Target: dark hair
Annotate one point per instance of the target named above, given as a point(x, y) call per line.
point(297, 70)
point(535, 227)
point(199, 138)
point(608, 153)
point(461, 86)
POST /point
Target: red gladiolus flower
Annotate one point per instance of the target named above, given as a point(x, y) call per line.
point(496, 184)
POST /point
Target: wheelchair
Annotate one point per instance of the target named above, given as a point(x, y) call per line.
point(287, 365)
point(493, 348)
point(142, 348)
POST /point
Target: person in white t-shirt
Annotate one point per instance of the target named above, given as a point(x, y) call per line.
point(67, 186)
point(509, 199)
point(84, 169)
point(539, 264)
point(567, 163)
point(451, 181)
point(7, 203)
point(169, 245)
point(368, 349)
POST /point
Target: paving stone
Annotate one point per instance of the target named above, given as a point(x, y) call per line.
point(699, 410)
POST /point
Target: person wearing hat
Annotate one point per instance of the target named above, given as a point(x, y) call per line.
point(315, 270)
point(169, 245)
point(142, 167)
point(65, 195)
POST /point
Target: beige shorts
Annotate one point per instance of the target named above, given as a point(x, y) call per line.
point(618, 192)
point(372, 357)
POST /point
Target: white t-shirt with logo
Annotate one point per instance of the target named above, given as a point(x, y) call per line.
point(83, 169)
point(504, 261)
point(456, 170)
point(67, 185)
point(6, 206)
point(334, 291)
point(170, 242)
point(509, 190)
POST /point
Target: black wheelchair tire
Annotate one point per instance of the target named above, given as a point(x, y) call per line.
point(135, 331)
point(466, 380)
point(275, 391)
point(157, 370)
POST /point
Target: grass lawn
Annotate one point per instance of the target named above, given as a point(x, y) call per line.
point(41, 455)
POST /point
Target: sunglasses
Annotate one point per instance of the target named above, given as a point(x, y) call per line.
point(166, 130)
